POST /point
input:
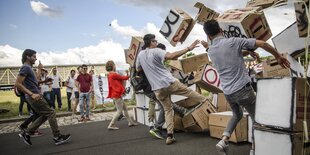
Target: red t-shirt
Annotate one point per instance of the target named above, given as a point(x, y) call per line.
point(115, 83)
point(85, 82)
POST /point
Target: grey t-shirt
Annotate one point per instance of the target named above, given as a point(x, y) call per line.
point(226, 56)
point(30, 81)
point(152, 63)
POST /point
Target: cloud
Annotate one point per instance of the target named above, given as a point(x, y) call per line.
point(89, 35)
point(93, 54)
point(13, 26)
point(124, 30)
point(42, 9)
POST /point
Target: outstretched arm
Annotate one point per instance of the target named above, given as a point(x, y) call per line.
point(267, 47)
point(175, 55)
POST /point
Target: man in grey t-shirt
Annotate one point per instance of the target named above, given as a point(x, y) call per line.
point(227, 57)
point(151, 59)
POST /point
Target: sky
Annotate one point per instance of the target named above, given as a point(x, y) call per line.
point(95, 31)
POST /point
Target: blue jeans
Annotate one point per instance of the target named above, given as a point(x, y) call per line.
point(243, 98)
point(47, 96)
point(82, 97)
point(56, 92)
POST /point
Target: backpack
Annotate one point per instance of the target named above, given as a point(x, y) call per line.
point(138, 79)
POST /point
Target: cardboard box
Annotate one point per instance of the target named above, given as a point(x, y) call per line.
point(187, 79)
point(176, 98)
point(218, 122)
point(140, 115)
point(204, 14)
point(198, 119)
point(288, 41)
point(273, 69)
point(190, 64)
point(135, 47)
point(220, 102)
point(275, 142)
point(177, 26)
point(263, 3)
point(280, 103)
point(245, 23)
point(187, 103)
point(178, 124)
point(208, 79)
point(301, 17)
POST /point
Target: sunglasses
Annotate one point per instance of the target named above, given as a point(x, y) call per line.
point(85, 68)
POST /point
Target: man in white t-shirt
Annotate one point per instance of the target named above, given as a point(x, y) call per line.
point(151, 61)
point(56, 88)
point(71, 88)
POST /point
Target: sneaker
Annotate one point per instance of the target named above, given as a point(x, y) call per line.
point(22, 129)
point(113, 128)
point(87, 118)
point(252, 152)
point(132, 124)
point(82, 119)
point(25, 137)
point(62, 139)
point(156, 133)
point(36, 134)
point(222, 147)
point(170, 140)
point(120, 117)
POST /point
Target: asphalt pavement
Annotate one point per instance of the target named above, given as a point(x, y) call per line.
point(94, 138)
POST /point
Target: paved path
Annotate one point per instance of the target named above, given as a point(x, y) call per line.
point(62, 121)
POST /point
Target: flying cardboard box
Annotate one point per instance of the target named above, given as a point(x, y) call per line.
point(187, 79)
point(135, 47)
point(245, 23)
point(191, 63)
point(280, 103)
point(218, 122)
point(208, 79)
point(177, 26)
point(273, 69)
point(204, 14)
point(301, 17)
point(275, 142)
point(263, 3)
point(288, 41)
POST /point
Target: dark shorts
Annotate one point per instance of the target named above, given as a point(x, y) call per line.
point(76, 94)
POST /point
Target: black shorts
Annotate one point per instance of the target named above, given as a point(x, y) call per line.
point(76, 94)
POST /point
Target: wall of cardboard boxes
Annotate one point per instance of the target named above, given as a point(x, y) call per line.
point(280, 106)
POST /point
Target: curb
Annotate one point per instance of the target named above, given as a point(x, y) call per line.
point(59, 114)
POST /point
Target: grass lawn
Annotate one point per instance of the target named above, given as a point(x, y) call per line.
point(10, 102)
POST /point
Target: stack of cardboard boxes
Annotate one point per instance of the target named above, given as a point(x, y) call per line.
point(279, 107)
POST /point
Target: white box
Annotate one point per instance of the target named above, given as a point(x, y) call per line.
point(177, 26)
point(272, 142)
point(280, 103)
point(288, 41)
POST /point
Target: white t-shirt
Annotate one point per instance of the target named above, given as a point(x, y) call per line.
point(152, 63)
point(56, 80)
point(44, 87)
point(71, 83)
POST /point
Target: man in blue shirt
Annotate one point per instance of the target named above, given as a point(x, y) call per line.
point(226, 55)
point(27, 82)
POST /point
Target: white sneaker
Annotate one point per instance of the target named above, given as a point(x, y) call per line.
point(113, 128)
point(222, 147)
